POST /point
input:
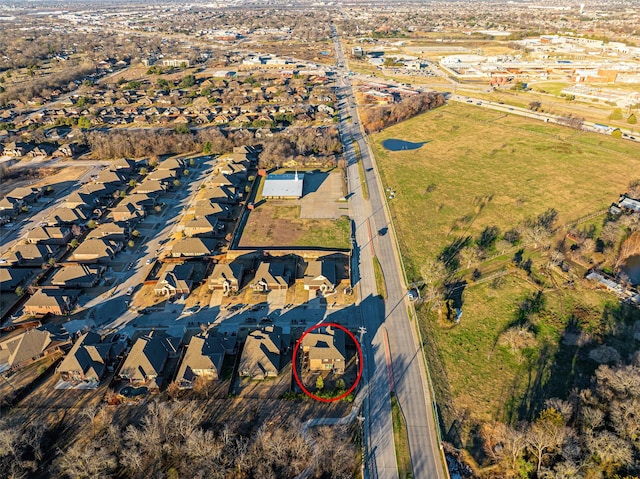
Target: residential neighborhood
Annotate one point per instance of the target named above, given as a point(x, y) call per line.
point(310, 240)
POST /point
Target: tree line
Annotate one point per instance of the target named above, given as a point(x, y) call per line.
point(171, 439)
point(376, 118)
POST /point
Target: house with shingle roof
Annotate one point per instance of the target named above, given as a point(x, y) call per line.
point(25, 346)
point(203, 358)
point(109, 231)
point(148, 357)
point(324, 350)
point(226, 276)
point(204, 208)
point(270, 275)
point(67, 216)
point(205, 226)
point(261, 353)
point(193, 247)
point(77, 276)
point(11, 278)
point(98, 250)
point(86, 362)
point(320, 276)
point(30, 254)
point(175, 280)
point(51, 301)
point(49, 235)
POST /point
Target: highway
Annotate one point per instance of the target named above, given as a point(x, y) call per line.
point(388, 319)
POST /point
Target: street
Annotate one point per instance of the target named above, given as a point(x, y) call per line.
point(390, 316)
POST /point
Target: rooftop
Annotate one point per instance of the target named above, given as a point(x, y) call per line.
point(286, 185)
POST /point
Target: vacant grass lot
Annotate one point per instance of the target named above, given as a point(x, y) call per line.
point(481, 168)
point(276, 223)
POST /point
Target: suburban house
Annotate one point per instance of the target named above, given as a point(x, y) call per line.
point(86, 361)
point(261, 354)
point(51, 301)
point(226, 276)
point(22, 347)
point(175, 280)
point(320, 276)
point(221, 194)
point(30, 254)
point(77, 276)
point(269, 276)
point(68, 216)
point(324, 350)
point(151, 187)
point(24, 195)
point(206, 226)
point(147, 358)
point(193, 247)
point(207, 208)
point(203, 358)
point(82, 199)
point(126, 211)
point(11, 278)
point(283, 186)
point(9, 206)
point(109, 231)
point(49, 235)
point(96, 251)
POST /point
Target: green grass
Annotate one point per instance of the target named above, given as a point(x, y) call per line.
point(480, 168)
point(401, 441)
point(518, 167)
point(335, 235)
point(379, 275)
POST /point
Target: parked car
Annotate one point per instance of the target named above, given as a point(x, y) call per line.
point(130, 290)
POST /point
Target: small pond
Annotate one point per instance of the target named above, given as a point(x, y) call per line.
point(393, 144)
point(632, 269)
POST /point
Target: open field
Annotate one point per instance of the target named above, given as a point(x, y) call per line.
point(480, 168)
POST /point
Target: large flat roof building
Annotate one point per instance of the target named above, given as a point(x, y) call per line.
point(286, 185)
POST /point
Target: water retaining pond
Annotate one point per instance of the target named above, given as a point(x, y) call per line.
point(394, 144)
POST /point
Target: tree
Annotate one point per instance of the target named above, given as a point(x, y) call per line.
point(135, 233)
point(188, 81)
point(206, 148)
point(91, 224)
point(74, 243)
point(192, 162)
point(185, 172)
point(130, 244)
point(182, 129)
point(84, 123)
point(616, 114)
point(19, 291)
point(632, 120)
point(616, 133)
point(143, 171)
point(319, 383)
point(535, 105)
point(340, 385)
point(546, 435)
point(132, 183)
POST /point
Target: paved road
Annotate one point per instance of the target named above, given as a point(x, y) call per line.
point(409, 375)
point(12, 233)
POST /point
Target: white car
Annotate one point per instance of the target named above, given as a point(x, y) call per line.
point(149, 261)
point(130, 290)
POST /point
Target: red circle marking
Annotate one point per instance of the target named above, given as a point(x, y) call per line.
point(295, 369)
